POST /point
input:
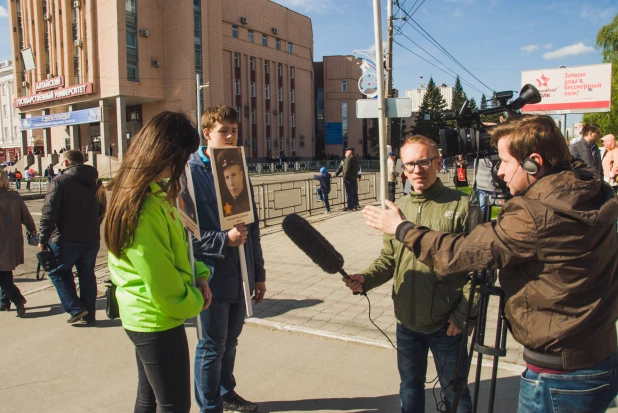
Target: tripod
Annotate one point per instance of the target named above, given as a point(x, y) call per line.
point(484, 281)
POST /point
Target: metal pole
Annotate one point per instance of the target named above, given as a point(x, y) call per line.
point(377, 22)
point(198, 90)
point(389, 68)
point(563, 122)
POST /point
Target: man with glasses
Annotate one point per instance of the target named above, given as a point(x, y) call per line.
point(430, 309)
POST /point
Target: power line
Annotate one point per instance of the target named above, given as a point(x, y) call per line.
point(419, 6)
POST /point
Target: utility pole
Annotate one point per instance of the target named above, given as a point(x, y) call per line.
point(389, 68)
point(198, 92)
point(377, 24)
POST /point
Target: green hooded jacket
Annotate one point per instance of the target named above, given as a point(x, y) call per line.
point(424, 301)
point(153, 276)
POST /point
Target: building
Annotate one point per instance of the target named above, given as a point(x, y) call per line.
point(104, 67)
point(336, 93)
point(10, 137)
point(418, 94)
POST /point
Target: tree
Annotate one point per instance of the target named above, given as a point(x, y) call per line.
point(607, 41)
point(472, 105)
point(494, 117)
point(459, 96)
point(483, 102)
point(398, 130)
point(430, 116)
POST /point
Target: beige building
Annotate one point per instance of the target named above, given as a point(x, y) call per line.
point(336, 93)
point(116, 63)
point(10, 137)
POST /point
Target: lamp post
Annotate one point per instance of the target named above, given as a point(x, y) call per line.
point(198, 89)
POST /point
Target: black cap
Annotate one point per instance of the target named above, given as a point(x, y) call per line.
point(229, 157)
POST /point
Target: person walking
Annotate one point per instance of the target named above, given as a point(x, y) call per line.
point(149, 261)
point(13, 214)
point(70, 227)
point(350, 168)
point(18, 177)
point(29, 175)
point(324, 177)
point(49, 173)
point(586, 148)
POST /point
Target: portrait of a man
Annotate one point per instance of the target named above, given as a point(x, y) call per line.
point(232, 181)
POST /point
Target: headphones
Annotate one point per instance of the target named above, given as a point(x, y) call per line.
point(530, 166)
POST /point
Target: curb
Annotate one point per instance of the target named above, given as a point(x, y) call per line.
point(515, 368)
point(31, 197)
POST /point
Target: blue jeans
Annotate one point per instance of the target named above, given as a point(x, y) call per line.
point(588, 390)
point(351, 192)
point(215, 354)
point(82, 256)
point(483, 198)
point(413, 370)
point(324, 197)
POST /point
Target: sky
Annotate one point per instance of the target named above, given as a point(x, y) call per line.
point(493, 39)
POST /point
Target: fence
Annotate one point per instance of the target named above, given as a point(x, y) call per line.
point(37, 185)
point(293, 166)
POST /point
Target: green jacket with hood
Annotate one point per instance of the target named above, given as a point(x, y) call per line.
point(154, 276)
point(424, 301)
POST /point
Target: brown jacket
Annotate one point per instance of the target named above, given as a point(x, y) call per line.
point(13, 214)
point(556, 246)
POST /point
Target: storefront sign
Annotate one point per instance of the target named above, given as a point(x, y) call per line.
point(75, 117)
point(48, 84)
point(69, 92)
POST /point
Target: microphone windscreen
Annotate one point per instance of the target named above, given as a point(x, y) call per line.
point(312, 243)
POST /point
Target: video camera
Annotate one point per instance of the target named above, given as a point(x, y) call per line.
point(471, 137)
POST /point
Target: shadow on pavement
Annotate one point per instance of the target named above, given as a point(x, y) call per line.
point(272, 307)
point(26, 280)
point(50, 310)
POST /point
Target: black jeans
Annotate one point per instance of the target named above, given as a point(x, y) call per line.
point(391, 191)
point(8, 289)
point(163, 371)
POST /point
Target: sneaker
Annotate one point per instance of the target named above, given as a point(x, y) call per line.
point(233, 402)
point(75, 318)
point(327, 212)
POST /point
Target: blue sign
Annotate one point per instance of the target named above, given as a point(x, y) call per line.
point(334, 133)
point(76, 117)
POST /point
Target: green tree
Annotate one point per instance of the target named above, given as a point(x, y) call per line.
point(472, 105)
point(430, 116)
point(459, 96)
point(607, 41)
point(483, 102)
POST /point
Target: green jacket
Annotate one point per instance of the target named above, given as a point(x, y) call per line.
point(153, 276)
point(424, 300)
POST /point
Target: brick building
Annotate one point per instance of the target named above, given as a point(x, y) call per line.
point(103, 67)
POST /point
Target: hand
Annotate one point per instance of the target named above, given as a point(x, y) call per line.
point(42, 247)
point(202, 285)
point(453, 330)
point(355, 282)
point(260, 290)
point(237, 236)
point(386, 220)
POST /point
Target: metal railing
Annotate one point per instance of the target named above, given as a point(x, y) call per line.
point(293, 166)
point(37, 185)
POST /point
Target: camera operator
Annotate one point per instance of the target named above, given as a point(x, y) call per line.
point(555, 244)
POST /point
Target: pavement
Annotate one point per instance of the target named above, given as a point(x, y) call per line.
point(309, 347)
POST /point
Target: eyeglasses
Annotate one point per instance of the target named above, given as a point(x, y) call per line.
point(422, 163)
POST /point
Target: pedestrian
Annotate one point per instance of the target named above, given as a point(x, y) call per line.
point(70, 222)
point(430, 312)
point(324, 189)
point(586, 148)
point(11, 176)
point(49, 173)
point(405, 182)
point(610, 160)
point(350, 168)
point(222, 323)
point(392, 175)
point(17, 177)
point(29, 175)
point(13, 214)
point(554, 243)
point(149, 261)
point(461, 172)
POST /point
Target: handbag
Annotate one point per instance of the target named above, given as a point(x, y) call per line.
point(33, 239)
point(111, 303)
point(47, 259)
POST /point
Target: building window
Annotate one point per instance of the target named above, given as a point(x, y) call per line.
point(267, 92)
point(4, 112)
point(292, 100)
point(280, 119)
point(279, 70)
point(268, 148)
point(264, 40)
point(266, 66)
point(267, 118)
point(237, 87)
point(250, 36)
point(4, 87)
point(293, 120)
point(236, 60)
point(280, 94)
point(134, 113)
point(252, 63)
point(252, 88)
point(131, 31)
point(292, 72)
point(344, 85)
point(293, 144)
point(253, 116)
point(235, 32)
point(254, 143)
point(278, 44)
point(6, 133)
point(344, 123)
point(197, 37)
point(281, 144)
point(16, 135)
point(290, 48)
point(238, 114)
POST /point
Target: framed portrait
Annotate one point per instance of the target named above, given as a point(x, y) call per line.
point(232, 186)
point(186, 204)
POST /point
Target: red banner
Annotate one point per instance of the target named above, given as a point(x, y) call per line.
point(69, 92)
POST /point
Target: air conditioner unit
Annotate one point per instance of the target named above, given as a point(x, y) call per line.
point(275, 112)
point(47, 17)
point(143, 32)
point(243, 20)
point(24, 83)
point(76, 4)
point(49, 75)
point(155, 63)
point(275, 30)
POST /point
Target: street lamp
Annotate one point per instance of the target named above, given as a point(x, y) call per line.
point(198, 88)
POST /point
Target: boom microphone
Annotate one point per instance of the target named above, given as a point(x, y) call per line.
point(312, 243)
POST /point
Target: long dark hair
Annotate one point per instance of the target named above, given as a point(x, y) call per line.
point(166, 141)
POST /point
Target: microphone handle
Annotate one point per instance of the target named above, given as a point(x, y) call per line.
point(346, 276)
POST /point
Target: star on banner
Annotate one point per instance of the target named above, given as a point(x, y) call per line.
point(543, 81)
point(227, 209)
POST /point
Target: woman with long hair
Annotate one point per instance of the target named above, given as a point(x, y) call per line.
point(149, 260)
point(13, 214)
